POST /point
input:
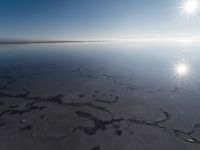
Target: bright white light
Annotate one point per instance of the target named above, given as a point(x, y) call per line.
point(182, 69)
point(190, 7)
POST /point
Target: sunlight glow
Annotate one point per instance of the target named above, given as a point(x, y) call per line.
point(190, 7)
point(182, 69)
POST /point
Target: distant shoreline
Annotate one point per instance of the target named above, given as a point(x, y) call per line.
point(43, 42)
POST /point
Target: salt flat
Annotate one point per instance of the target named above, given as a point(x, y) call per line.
point(99, 96)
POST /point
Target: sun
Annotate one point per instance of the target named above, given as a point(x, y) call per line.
point(182, 69)
point(190, 7)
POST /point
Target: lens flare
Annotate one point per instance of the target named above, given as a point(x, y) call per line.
point(182, 69)
point(190, 7)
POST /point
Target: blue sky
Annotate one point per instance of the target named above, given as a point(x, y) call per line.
point(94, 19)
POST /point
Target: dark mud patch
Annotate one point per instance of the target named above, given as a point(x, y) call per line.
point(118, 132)
point(26, 128)
point(81, 95)
point(96, 148)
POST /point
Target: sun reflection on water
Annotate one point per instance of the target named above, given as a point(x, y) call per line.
point(182, 72)
point(182, 69)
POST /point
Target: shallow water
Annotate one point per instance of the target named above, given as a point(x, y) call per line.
point(100, 96)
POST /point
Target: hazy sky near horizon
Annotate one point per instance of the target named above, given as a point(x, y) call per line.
point(88, 19)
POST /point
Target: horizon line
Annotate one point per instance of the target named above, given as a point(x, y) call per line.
point(153, 39)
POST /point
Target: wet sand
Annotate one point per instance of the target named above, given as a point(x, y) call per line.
point(95, 96)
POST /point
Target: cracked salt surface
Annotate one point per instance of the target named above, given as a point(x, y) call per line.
point(126, 104)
